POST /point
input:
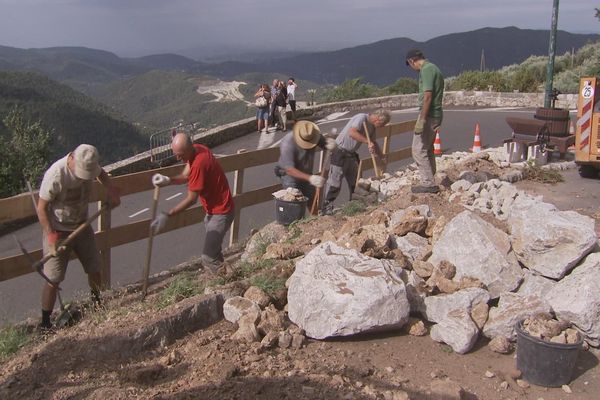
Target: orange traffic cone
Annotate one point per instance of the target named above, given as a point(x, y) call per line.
point(476, 141)
point(437, 144)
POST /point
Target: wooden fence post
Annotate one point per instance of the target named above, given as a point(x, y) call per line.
point(238, 185)
point(104, 247)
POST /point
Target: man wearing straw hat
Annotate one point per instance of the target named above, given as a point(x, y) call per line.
point(61, 208)
point(344, 159)
point(296, 159)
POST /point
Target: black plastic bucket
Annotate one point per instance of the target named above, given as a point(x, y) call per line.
point(544, 363)
point(289, 211)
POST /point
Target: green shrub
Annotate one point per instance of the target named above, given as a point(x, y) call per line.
point(177, 290)
point(11, 340)
point(268, 283)
point(353, 207)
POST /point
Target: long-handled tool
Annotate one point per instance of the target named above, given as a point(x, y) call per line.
point(150, 238)
point(65, 316)
point(314, 208)
point(372, 155)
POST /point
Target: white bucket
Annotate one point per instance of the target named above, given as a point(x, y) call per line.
point(514, 152)
point(535, 154)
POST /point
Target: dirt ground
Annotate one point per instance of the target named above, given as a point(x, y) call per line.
point(93, 360)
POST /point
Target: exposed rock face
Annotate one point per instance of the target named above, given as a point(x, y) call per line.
point(409, 220)
point(338, 292)
point(483, 252)
point(547, 241)
point(511, 309)
point(534, 284)
point(575, 298)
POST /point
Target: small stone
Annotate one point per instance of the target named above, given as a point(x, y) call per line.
point(567, 389)
point(297, 341)
point(489, 374)
point(504, 385)
point(522, 383)
point(561, 339)
point(270, 340)
point(423, 268)
point(416, 327)
point(285, 340)
point(514, 373)
point(315, 242)
point(446, 389)
point(258, 296)
point(499, 344)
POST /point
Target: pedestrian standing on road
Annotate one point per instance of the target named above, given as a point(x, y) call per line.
point(431, 93)
point(273, 106)
point(344, 159)
point(281, 104)
point(63, 206)
point(296, 159)
point(206, 181)
point(263, 102)
point(291, 95)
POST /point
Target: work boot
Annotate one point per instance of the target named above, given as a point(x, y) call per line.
point(96, 300)
point(46, 329)
point(327, 208)
point(425, 189)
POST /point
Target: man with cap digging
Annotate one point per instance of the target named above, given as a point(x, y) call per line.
point(296, 159)
point(207, 182)
point(63, 206)
point(431, 93)
point(344, 159)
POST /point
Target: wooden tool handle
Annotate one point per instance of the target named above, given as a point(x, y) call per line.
point(372, 155)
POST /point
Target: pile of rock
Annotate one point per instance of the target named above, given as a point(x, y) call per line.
point(258, 320)
point(289, 194)
point(544, 327)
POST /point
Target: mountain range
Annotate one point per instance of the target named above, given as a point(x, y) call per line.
point(379, 63)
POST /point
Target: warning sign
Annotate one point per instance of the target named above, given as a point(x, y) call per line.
point(588, 91)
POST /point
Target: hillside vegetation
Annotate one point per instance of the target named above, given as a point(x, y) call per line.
point(70, 116)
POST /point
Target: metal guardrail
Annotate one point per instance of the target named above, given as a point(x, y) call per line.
point(160, 143)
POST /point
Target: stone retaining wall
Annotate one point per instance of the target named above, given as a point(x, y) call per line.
point(225, 133)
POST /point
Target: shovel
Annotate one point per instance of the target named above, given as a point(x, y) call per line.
point(372, 155)
point(65, 317)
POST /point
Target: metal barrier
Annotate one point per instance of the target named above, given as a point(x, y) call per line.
point(160, 143)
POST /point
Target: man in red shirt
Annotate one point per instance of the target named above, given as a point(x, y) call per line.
point(206, 180)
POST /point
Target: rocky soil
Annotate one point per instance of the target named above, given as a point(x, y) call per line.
point(230, 337)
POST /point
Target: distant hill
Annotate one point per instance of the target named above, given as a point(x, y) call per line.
point(380, 62)
point(74, 117)
point(383, 62)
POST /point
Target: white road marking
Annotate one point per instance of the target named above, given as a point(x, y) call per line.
point(332, 116)
point(175, 195)
point(138, 213)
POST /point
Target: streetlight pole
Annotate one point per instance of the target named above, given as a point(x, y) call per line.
point(551, 54)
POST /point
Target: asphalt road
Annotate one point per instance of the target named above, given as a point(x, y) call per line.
point(20, 297)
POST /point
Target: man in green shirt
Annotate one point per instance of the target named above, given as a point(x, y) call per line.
point(431, 92)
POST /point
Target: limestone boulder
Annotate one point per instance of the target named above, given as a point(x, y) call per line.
point(534, 284)
point(548, 241)
point(511, 309)
point(414, 246)
point(575, 298)
point(336, 291)
point(478, 250)
point(235, 307)
point(257, 245)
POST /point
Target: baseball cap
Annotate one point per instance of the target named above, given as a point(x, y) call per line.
point(86, 162)
point(414, 53)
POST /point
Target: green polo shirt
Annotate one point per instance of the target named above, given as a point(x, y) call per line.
point(431, 80)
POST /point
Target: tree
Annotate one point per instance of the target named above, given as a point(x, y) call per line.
point(403, 86)
point(24, 155)
point(350, 90)
point(597, 13)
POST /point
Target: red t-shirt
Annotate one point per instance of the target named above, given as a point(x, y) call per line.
point(209, 181)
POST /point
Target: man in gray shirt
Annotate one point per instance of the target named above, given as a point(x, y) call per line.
point(344, 159)
point(296, 159)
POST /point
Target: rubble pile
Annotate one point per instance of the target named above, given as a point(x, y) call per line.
point(289, 194)
point(544, 327)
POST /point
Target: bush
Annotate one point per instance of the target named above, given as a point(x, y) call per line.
point(477, 80)
point(350, 90)
point(11, 340)
point(177, 290)
point(353, 207)
point(403, 86)
point(268, 283)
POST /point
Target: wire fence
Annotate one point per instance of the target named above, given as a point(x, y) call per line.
point(161, 153)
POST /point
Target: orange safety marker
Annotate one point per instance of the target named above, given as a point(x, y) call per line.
point(437, 144)
point(476, 140)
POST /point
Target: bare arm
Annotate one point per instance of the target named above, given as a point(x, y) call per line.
point(359, 137)
point(296, 173)
point(184, 204)
point(427, 98)
point(42, 212)
point(182, 177)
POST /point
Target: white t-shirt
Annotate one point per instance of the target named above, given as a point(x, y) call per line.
point(291, 91)
point(68, 196)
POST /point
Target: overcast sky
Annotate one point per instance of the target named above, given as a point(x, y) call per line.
point(141, 27)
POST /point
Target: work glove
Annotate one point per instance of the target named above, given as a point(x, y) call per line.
point(317, 181)
point(419, 126)
point(159, 222)
point(330, 144)
point(160, 180)
point(52, 239)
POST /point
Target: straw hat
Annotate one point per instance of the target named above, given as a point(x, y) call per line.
point(306, 134)
point(86, 162)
